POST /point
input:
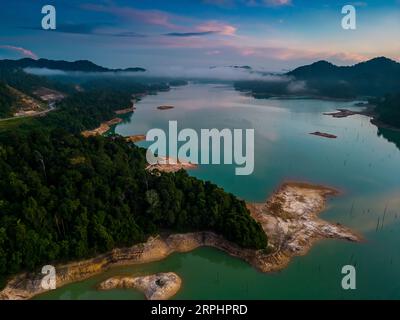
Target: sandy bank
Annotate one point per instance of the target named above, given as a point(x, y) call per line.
point(160, 286)
point(125, 111)
point(289, 217)
point(135, 138)
point(102, 129)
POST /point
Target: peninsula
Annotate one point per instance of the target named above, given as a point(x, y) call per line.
point(289, 217)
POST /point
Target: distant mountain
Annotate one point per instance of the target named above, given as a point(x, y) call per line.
point(80, 65)
point(377, 76)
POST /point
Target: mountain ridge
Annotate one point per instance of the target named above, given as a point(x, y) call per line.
point(63, 65)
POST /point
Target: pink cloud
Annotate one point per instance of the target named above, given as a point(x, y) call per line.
point(286, 54)
point(217, 27)
point(22, 51)
point(269, 3)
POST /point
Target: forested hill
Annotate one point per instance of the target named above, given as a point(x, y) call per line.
point(65, 197)
point(388, 109)
point(80, 65)
point(7, 101)
point(374, 77)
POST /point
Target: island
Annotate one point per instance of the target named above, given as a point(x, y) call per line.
point(289, 218)
point(324, 135)
point(165, 107)
point(160, 286)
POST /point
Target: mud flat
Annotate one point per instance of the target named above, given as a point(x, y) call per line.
point(171, 165)
point(289, 218)
point(324, 135)
point(160, 286)
point(102, 129)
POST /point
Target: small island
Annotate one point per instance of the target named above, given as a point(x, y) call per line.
point(165, 107)
point(324, 135)
point(160, 286)
point(341, 113)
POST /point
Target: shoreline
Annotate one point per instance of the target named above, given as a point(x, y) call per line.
point(289, 217)
point(170, 165)
point(102, 129)
point(368, 112)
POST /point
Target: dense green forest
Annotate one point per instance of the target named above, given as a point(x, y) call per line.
point(67, 197)
point(388, 109)
point(64, 197)
point(7, 101)
point(375, 77)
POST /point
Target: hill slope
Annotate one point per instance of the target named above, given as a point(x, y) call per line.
point(377, 76)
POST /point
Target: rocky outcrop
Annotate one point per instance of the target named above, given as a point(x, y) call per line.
point(169, 164)
point(160, 286)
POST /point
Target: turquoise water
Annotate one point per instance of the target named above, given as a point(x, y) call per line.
point(363, 165)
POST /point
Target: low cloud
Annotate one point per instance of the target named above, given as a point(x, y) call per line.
point(45, 72)
point(296, 87)
point(225, 73)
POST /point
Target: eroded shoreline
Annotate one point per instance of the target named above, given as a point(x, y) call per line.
point(289, 217)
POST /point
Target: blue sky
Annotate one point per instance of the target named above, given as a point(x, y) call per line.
point(270, 34)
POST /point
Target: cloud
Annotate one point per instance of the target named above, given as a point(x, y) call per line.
point(187, 27)
point(277, 3)
point(100, 29)
point(287, 54)
point(45, 72)
point(359, 4)
point(249, 3)
point(227, 73)
point(297, 87)
point(152, 17)
point(189, 34)
point(217, 27)
point(20, 50)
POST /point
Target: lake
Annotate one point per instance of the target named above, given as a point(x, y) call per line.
point(362, 164)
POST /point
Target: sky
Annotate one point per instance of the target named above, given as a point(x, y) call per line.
point(273, 35)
